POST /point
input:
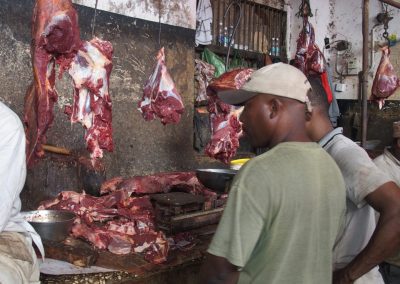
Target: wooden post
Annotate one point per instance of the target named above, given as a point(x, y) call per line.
point(364, 106)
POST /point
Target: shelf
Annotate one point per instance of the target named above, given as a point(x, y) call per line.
point(245, 54)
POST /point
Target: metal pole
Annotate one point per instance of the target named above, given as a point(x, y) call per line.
point(364, 110)
point(392, 3)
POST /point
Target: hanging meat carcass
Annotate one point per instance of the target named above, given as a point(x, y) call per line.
point(56, 40)
point(90, 70)
point(309, 58)
point(203, 74)
point(160, 97)
point(54, 33)
point(386, 81)
point(225, 126)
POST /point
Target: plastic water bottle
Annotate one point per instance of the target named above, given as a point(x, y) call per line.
point(220, 36)
point(273, 47)
point(277, 48)
point(226, 36)
point(230, 35)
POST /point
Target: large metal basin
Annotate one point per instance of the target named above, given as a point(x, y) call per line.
point(53, 225)
point(218, 180)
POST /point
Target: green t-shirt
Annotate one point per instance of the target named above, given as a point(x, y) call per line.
point(283, 213)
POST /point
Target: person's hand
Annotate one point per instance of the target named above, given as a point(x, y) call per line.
point(341, 276)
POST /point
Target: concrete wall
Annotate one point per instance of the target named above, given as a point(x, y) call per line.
point(174, 12)
point(140, 147)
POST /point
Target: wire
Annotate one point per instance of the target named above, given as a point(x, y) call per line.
point(94, 18)
point(231, 36)
point(159, 23)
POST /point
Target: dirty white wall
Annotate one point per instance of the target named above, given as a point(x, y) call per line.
point(342, 19)
point(173, 12)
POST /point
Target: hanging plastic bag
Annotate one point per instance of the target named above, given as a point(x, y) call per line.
point(237, 61)
point(210, 57)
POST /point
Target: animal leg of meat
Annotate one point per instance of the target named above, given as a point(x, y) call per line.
point(54, 32)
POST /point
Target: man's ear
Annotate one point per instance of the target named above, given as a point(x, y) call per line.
point(275, 107)
point(308, 116)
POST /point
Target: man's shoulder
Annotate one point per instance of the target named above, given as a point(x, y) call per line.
point(345, 147)
point(9, 119)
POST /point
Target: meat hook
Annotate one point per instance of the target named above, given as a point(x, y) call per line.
point(94, 18)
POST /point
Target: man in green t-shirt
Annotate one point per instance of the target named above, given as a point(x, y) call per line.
point(285, 206)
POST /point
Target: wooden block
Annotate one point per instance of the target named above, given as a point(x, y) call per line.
point(71, 250)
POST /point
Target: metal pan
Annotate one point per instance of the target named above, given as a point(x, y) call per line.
point(52, 225)
point(217, 180)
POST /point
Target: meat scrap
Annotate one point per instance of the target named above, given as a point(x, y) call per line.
point(386, 81)
point(225, 126)
point(160, 97)
point(55, 33)
point(90, 70)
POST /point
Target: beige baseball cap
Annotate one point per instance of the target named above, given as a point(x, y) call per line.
point(396, 129)
point(277, 79)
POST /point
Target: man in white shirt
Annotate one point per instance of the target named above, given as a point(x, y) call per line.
point(362, 245)
point(18, 261)
point(389, 162)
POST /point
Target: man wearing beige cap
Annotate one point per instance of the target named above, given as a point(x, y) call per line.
point(283, 210)
point(389, 162)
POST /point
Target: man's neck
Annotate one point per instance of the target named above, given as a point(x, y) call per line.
point(323, 128)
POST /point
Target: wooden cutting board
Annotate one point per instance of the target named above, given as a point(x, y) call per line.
point(82, 254)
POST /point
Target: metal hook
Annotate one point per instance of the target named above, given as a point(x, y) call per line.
point(94, 18)
point(159, 23)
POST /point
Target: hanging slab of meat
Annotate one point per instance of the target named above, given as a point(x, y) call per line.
point(309, 58)
point(159, 183)
point(203, 74)
point(386, 81)
point(54, 33)
point(160, 97)
point(225, 126)
point(90, 70)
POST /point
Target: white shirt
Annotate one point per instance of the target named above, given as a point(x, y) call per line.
point(12, 175)
point(361, 177)
point(390, 165)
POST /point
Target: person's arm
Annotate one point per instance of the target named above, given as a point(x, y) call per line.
point(12, 164)
point(385, 241)
point(239, 229)
point(218, 270)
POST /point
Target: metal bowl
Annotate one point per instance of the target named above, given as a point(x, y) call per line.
point(53, 225)
point(218, 180)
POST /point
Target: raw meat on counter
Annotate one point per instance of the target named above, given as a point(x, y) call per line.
point(90, 70)
point(225, 126)
point(55, 33)
point(386, 81)
point(158, 183)
point(160, 97)
point(122, 219)
point(117, 222)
